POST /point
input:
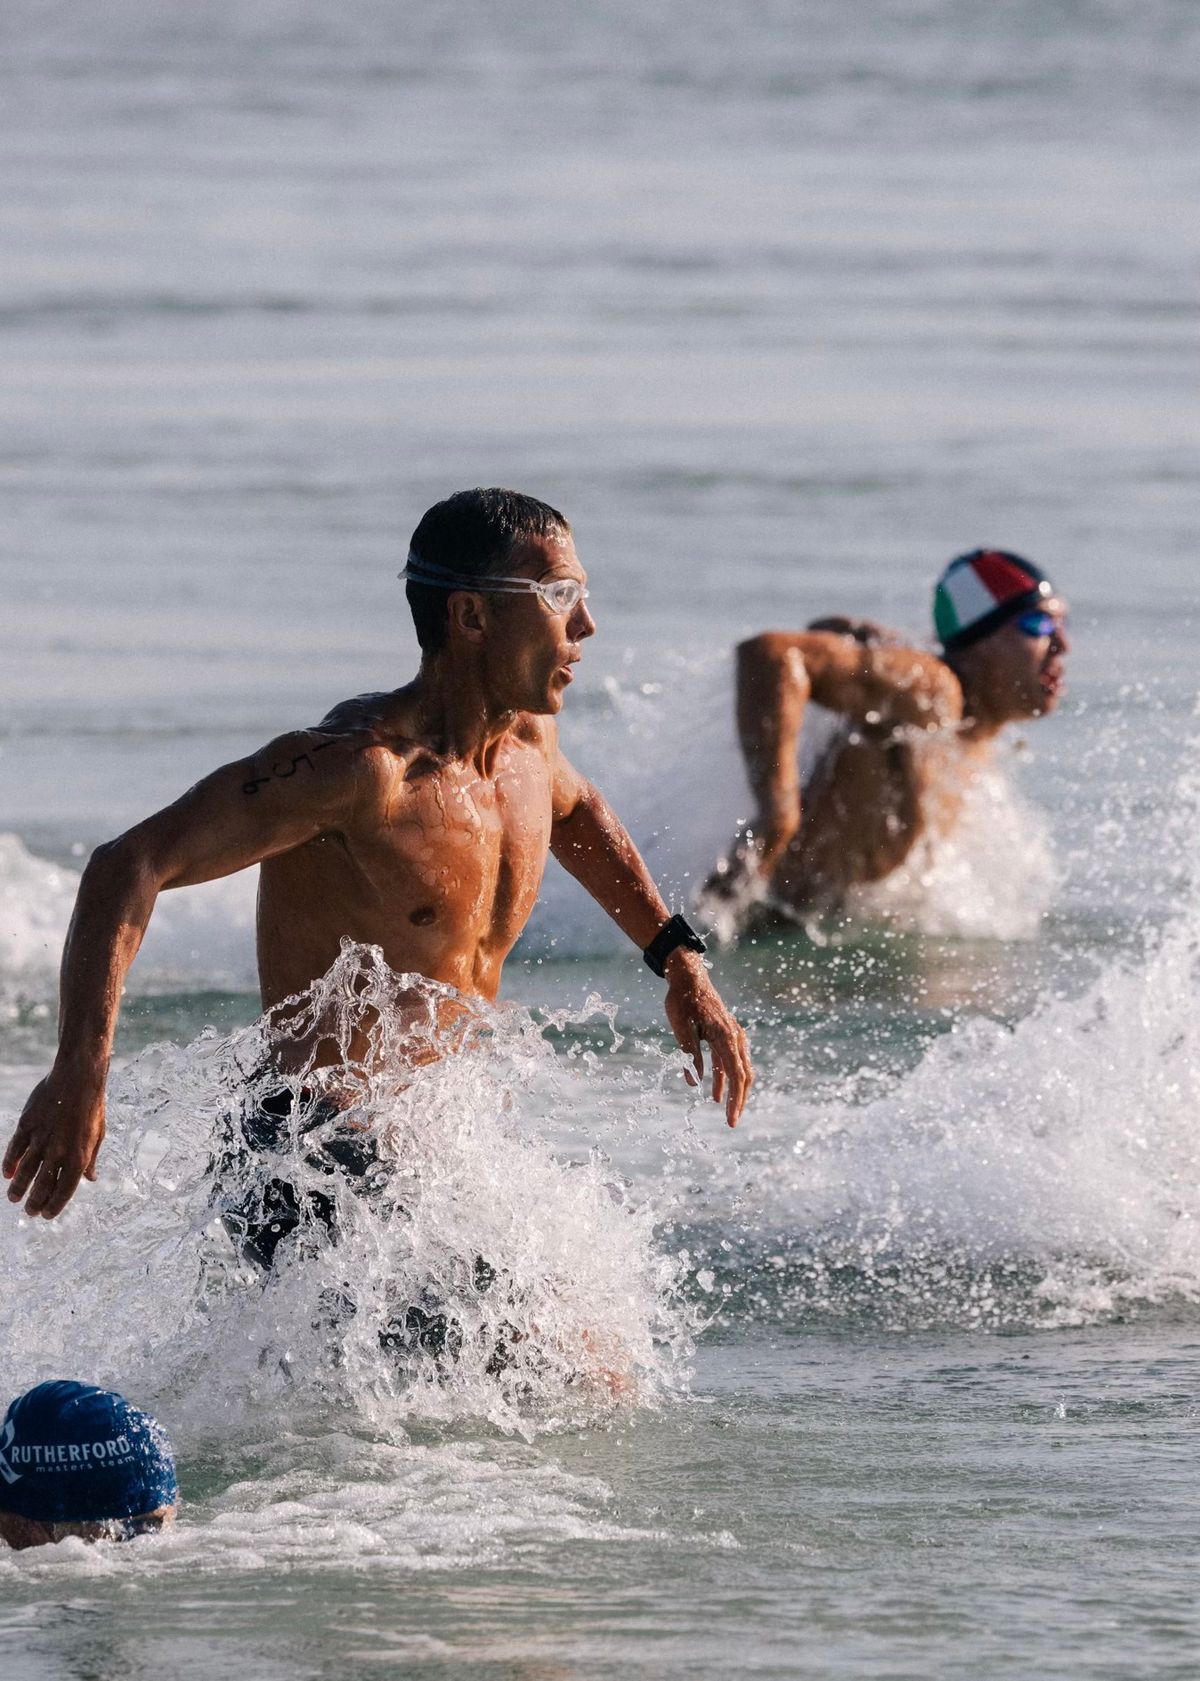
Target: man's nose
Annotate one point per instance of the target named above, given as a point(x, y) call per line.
point(582, 624)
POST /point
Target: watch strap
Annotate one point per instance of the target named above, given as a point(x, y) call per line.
point(677, 932)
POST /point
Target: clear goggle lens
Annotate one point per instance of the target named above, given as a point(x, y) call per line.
point(562, 595)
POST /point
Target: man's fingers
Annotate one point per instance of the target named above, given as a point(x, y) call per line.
point(89, 1171)
point(739, 1097)
point(62, 1191)
point(733, 1059)
point(712, 1023)
point(687, 1034)
point(17, 1146)
point(24, 1170)
point(43, 1188)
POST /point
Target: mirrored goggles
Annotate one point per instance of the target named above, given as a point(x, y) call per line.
point(1035, 622)
point(560, 595)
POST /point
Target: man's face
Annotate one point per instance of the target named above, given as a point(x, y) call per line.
point(1022, 674)
point(531, 649)
point(22, 1533)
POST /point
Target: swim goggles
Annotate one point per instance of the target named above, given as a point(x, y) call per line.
point(1036, 622)
point(560, 595)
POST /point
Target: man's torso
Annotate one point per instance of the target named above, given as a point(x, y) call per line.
point(439, 865)
point(865, 806)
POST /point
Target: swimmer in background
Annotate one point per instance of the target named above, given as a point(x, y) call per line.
point(918, 728)
point(418, 820)
point(80, 1461)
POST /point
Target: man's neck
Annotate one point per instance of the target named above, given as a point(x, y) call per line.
point(456, 714)
point(981, 722)
point(978, 730)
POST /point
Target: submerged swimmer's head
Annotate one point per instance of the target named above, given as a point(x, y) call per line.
point(76, 1460)
point(1003, 629)
point(495, 573)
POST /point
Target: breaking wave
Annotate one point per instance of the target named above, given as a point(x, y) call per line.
point(1046, 1173)
point(198, 935)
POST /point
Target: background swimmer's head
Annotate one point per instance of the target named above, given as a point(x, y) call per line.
point(472, 534)
point(80, 1461)
point(1003, 632)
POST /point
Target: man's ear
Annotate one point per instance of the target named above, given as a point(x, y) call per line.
point(466, 614)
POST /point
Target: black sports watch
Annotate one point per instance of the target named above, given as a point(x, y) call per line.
point(673, 934)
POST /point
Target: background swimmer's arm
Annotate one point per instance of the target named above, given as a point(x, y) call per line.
point(852, 666)
point(862, 672)
point(773, 689)
point(592, 844)
point(297, 788)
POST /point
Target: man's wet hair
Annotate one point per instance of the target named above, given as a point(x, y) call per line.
point(471, 534)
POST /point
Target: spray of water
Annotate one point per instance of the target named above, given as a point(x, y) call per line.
point(1038, 1174)
point(993, 877)
point(397, 1240)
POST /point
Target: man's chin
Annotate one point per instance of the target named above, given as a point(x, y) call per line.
point(548, 702)
point(1042, 707)
point(545, 706)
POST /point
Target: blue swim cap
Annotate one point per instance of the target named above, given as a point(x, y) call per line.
point(71, 1453)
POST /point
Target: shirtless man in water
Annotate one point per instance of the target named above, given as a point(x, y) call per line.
point(917, 727)
point(417, 820)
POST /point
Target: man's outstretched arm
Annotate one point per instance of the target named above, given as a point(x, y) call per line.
point(591, 843)
point(247, 811)
point(850, 667)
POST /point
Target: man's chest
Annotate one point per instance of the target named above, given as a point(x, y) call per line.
point(452, 844)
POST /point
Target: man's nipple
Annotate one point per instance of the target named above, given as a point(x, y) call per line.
point(423, 917)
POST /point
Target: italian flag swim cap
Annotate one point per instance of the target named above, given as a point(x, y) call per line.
point(980, 591)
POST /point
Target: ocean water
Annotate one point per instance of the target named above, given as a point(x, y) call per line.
point(784, 305)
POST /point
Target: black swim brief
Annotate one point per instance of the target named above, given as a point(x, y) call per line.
point(259, 1211)
point(260, 1206)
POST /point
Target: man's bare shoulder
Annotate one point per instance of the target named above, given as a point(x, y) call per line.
point(352, 749)
point(312, 759)
point(878, 677)
point(376, 731)
point(361, 713)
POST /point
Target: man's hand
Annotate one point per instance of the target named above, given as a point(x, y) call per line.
point(697, 1015)
point(56, 1143)
point(744, 873)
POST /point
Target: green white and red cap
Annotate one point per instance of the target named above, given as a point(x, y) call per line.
point(980, 591)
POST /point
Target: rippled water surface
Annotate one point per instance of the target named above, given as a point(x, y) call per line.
point(784, 305)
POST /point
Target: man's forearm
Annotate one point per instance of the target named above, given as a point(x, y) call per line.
point(773, 689)
point(593, 845)
point(116, 896)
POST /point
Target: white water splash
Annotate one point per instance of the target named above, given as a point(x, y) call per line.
point(468, 1271)
point(1042, 1174)
point(992, 878)
point(197, 935)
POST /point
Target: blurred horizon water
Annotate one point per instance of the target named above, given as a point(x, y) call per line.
point(784, 305)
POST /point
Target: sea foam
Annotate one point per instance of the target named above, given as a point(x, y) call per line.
point(1040, 1174)
point(476, 1270)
